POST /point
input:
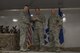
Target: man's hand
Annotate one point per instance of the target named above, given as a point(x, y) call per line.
point(37, 18)
point(34, 18)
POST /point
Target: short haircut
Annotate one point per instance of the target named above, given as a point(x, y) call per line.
point(37, 8)
point(27, 5)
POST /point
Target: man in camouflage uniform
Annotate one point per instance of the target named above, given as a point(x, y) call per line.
point(38, 38)
point(24, 24)
point(54, 29)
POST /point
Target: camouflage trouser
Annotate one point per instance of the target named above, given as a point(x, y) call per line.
point(38, 38)
point(23, 34)
point(54, 38)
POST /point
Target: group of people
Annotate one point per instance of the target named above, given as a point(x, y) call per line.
point(6, 29)
point(38, 20)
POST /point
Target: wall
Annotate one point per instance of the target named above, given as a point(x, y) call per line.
point(72, 28)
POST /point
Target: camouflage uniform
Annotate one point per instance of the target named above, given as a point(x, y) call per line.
point(54, 29)
point(23, 24)
point(38, 38)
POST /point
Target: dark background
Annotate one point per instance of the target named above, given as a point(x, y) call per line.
point(19, 4)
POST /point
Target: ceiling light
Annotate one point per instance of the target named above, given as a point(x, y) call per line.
point(31, 15)
point(64, 19)
point(2, 16)
point(14, 20)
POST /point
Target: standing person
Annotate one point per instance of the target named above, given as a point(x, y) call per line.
point(38, 38)
point(24, 24)
point(54, 29)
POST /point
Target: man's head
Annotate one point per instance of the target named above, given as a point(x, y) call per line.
point(53, 11)
point(26, 9)
point(37, 10)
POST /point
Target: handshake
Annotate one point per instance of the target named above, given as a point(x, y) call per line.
point(34, 18)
